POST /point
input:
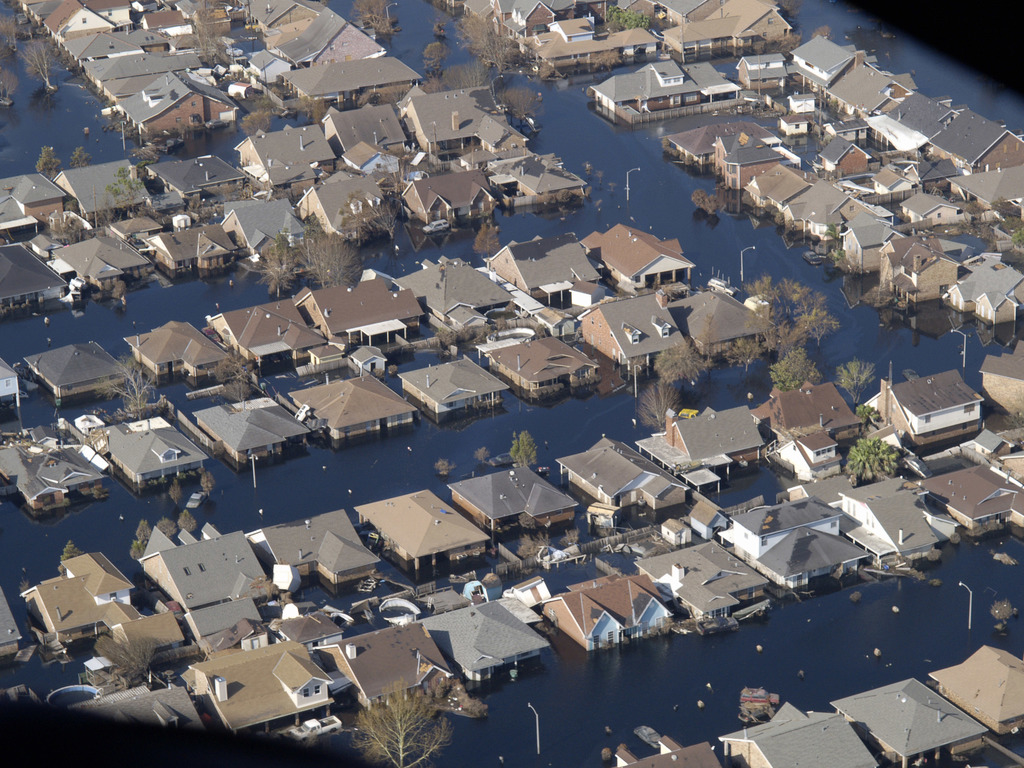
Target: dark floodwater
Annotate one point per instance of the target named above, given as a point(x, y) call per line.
point(576, 696)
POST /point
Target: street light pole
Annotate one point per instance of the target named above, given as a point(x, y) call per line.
point(963, 355)
point(970, 607)
point(538, 725)
point(627, 181)
point(748, 248)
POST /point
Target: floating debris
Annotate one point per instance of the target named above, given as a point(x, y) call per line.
point(855, 597)
point(1003, 558)
point(760, 649)
point(878, 653)
point(700, 704)
point(895, 609)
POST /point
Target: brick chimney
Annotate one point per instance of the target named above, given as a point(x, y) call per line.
point(662, 298)
point(670, 427)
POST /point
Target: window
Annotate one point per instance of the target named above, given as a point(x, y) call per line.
point(316, 690)
point(187, 571)
point(305, 693)
point(969, 408)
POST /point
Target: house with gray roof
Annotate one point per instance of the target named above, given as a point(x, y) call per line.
point(452, 284)
point(536, 180)
point(48, 479)
point(255, 224)
point(1002, 379)
point(205, 572)
point(312, 630)
point(24, 278)
point(213, 620)
point(325, 546)
point(712, 320)
point(991, 290)
point(92, 185)
point(449, 195)
point(663, 85)
point(630, 331)
point(347, 408)
point(286, 158)
point(118, 77)
point(793, 542)
point(618, 477)
point(257, 428)
point(542, 367)
point(863, 238)
point(267, 67)
point(175, 102)
point(101, 261)
point(931, 210)
point(328, 38)
point(892, 521)
point(707, 580)
point(930, 409)
point(546, 267)
point(27, 200)
point(864, 90)
point(151, 449)
point(197, 176)
point(205, 249)
point(975, 143)
point(907, 720)
point(712, 439)
point(10, 389)
point(819, 62)
point(169, 707)
point(451, 387)
point(793, 737)
point(347, 82)
point(75, 370)
point(480, 640)
point(498, 499)
point(453, 122)
point(339, 203)
point(280, 13)
point(374, 124)
point(697, 145)
point(843, 158)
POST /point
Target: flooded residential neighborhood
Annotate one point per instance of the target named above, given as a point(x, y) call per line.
point(585, 383)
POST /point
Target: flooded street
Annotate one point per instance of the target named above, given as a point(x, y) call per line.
point(576, 695)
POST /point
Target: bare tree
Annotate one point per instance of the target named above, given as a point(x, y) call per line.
point(521, 102)
point(278, 265)
point(403, 731)
point(367, 219)
point(8, 34)
point(131, 659)
point(40, 59)
point(209, 42)
point(133, 387)
point(434, 55)
point(331, 261)
point(656, 400)
point(531, 544)
point(681, 362)
point(744, 351)
point(233, 374)
point(471, 75)
point(444, 467)
point(8, 82)
point(484, 42)
point(374, 14)
point(486, 242)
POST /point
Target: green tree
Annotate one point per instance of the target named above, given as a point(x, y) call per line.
point(434, 55)
point(793, 369)
point(871, 459)
point(80, 158)
point(855, 376)
point(618, 19)
point(403, 731)
point(866, 414)
point(125, 189)
point(681, 362)
point(143, 531)
point(524, 449)
point(48, 163)
point(70, 550)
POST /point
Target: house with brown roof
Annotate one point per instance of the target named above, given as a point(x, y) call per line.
point(347, 408)
point(206, 250)
point(160, 630)
point(269, 333)
point(777, 187)
point(735, 26)
point(420, 527)
point(930, 409)
point(1002, 379)
point(977, 497)
point(176, 348)
point(368, 313)
point(633, 259)
point(72, 19)
point(810, 457)
point(346, 82)
point(450, 123)
point(90, 592)
point(671, 754)
point(256, 687)
point(990, 685)
point(917, 269)
point(809, 408)
point(449, 195)
point(454, 292)
point(605, 612)
point(83, 370)
point(542, 367)
point(324, 548)
point(697, 145)
point(393, 660)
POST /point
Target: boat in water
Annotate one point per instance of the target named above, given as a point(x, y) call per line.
point(648, 735)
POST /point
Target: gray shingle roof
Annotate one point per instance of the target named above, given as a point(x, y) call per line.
point(74, 364)
point(195, 174)
point(251, 425)
point(89, 183)
point(909, 717)
point(141, 452)
point(969, 136)
point(453, 283)
point(345, 76)
point(509, 493)
point(449, 382)
point(329, 539)
point(482, 636)
point(806, 550)
point(216, 618)
point(261, 221)
point(21, 273)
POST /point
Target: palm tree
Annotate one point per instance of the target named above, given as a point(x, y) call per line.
point(871, 459)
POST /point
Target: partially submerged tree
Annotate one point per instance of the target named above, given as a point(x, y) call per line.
point(486, 43)
point(167, 527)
point(331, 260)
point(8, 82)
point(681, 362)
point(655, 401)
point(793, 369)
point(187, 521)
point(524, 449)
point(434, 55)
point(376, 15)
point(521, 102)
point(486, 242)
point(233, 374)
point(473, 74)
point(444, 467)
point(176, 494)
point(70, 551)
point(48, 163)
point(855, 376)
point(133, 387)
point(40, 59)
point(871, 459)
point(744, 351)
point(279, 265)
point(403, 731)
